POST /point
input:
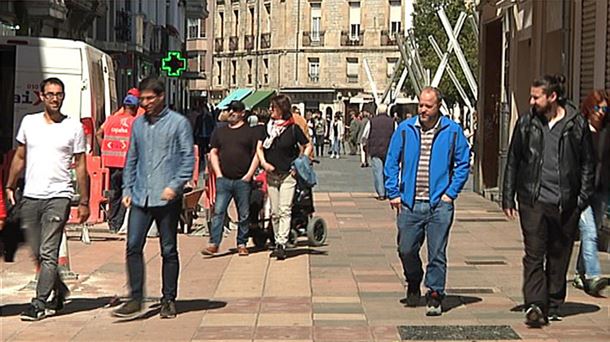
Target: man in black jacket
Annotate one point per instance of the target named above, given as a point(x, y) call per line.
point(550, 168)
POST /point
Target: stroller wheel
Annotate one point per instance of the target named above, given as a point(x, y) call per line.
point(292, 238)
point(316, 231)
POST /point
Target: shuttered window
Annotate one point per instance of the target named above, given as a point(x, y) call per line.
point(587, 47)
point(352, 67)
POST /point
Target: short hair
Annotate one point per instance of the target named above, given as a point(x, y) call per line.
point(382, 109)
point(552, 84)
point(237, 106)
point(52, 80)
point(436, 91)
point(151, 83)
point(282, 102)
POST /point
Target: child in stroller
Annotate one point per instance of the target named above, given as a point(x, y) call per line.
point(303, 221)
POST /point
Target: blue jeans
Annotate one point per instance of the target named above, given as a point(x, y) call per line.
point(140, 220)
point(590, 222)
point(378, 179)
point(227, 189)
point(432, 223)
point(335, 147)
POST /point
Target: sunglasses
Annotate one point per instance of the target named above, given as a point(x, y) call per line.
point(604, 109)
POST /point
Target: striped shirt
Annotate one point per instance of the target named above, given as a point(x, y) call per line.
point(422, 184)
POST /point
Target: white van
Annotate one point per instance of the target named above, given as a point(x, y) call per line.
point(88, 75)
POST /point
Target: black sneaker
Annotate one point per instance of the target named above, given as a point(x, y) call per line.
point(555, 315)
point(595, 285)
point(534, 317)
point(129, 309)
point(413, 298)
point(59, 298)
point(280, 252)
point(32, 314)
point(168, 309)
point(433, 304)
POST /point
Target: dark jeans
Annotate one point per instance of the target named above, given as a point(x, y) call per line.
point(116, 212)
point(227, 189)
point(43, 221)
point(140, 220)
point(548, 236)
point(433, 224)
point(319, 145)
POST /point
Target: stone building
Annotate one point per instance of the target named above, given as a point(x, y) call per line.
point(312, 50)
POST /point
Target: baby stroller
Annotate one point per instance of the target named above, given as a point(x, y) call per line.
point(302, 223)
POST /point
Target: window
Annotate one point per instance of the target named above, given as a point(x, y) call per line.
point(392, 63)
point(250, 71)
point(193, 64)
point(221, 17)
point(354, 20)
point(219, 67)
point(236, 22)
point(314, 69)
point(233, 72)
point(251, 10)
point(352, 70)
point(268, 17)
point(395, 18)
point(201, 58)
point(193, 28)
point(316, 19)
point(202, 28)
point(266, 70)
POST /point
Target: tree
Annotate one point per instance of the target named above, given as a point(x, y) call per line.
point(426, 23)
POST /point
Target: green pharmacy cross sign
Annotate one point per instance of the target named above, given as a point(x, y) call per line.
point(174, 64)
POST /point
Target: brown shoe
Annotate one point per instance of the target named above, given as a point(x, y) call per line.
point(242, 251)
point(210, 250)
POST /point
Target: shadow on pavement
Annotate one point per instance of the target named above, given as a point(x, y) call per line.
point(567, 309)
point(74, 305)
point(450, 302)
point(182, 306)
point(290, 253)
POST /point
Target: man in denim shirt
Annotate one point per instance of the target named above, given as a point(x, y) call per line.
point(159, 162)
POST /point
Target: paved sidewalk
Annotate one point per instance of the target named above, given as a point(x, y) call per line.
point(348, 290)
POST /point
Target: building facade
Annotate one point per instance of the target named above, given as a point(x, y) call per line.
point(199, 47)
point(312, 50)
point(525, 40)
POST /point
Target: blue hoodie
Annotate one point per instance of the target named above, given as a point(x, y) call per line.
point(449, 146)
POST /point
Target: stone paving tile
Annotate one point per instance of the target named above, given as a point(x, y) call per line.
point(229, 319)
point(346, 333)
point(337, 300)
point(285, 333)
point(239, 305)
point(225, 332)
point(284, 319)
point(337, 308)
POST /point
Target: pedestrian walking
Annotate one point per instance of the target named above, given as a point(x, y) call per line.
point(337, 133)
point(320, 130)
point(426, 168)
point(283, 143)
point(355, 126)
point(234, 161)
point(376, 136)
point(550, 167)
point(364, 157)
point(588, 270)
point(159, 163)
point(48, 144)
point(113, 137)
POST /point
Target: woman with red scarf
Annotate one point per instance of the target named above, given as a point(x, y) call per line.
point(284, 141)
point(2, 206)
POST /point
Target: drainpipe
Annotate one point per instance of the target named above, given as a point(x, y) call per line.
point(296, 43)
point(566, 57)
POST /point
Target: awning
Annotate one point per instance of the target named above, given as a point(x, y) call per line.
point(259, 98)
point(362, 98)
point(236, 95)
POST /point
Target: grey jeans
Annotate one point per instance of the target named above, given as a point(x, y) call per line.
point(43, 221)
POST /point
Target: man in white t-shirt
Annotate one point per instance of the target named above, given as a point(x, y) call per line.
point(48, 143)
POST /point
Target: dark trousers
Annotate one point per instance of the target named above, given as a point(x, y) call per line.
point(549, 237)
point(43, 221)
point(140, 220)
point(116, 212)
point(319, 145)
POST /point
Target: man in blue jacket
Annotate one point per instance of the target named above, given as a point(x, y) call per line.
point(426, 167)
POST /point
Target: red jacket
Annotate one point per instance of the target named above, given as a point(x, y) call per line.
point(2, 206)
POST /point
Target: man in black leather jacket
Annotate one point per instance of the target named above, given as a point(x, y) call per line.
point(550, 168)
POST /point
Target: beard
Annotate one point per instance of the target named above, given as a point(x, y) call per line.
point(542, 110)
point(234, 118)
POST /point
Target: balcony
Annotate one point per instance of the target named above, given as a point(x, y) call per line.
point(249, 42)
point(233, 43)
point(265, 40)
point(347, 39)
point(313, 38)
point(387, 38)
point(218, 45)
point(314, 78)
point(352, 78)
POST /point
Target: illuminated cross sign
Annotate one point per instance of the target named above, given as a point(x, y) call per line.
point(174, 64)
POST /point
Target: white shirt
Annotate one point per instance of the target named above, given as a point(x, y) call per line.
point(49, 151)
